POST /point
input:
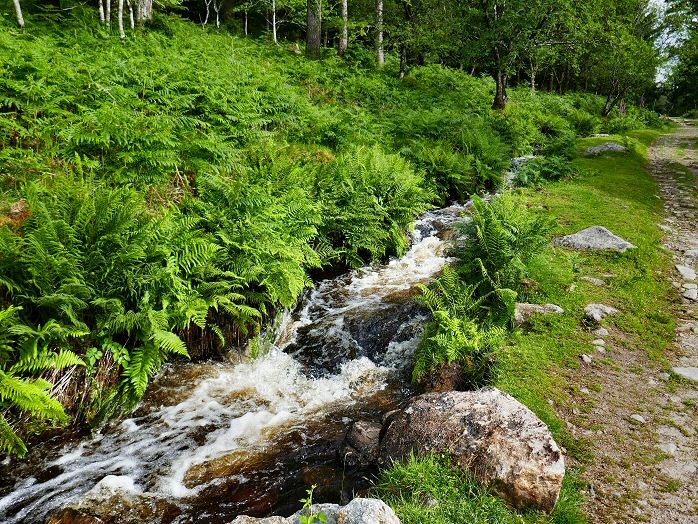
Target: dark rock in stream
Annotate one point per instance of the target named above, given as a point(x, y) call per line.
point(488, 432)
point(360, 447)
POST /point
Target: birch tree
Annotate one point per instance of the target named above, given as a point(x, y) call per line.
point(379, 33)
point(344, 38)
point(20, 18)
point(122, 35)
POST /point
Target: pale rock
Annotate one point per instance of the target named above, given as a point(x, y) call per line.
point(600, 349)
point(488, 432)
point(358, 511)
point(638, 418)
point(600, 332)
point(690, 286)
point(587, 358)
point(691, 294)
point(689, 373)
point(596, 238)
point(686, 272)
point(524, 311)
point(607, 147)
point(599, 342)
point(597, 312)
point(593, 280)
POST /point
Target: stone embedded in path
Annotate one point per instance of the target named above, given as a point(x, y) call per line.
point(358, 511)
point(638, 418)
point(587, 359)
point(689, 373)
point(524, 311)
point(691, 294)
point(488, 432)
point(599, 342)
point(686, 272)
point(595, 238)
point(593, 280)
point(600, 332)
point(597, 312)
point(606, 147)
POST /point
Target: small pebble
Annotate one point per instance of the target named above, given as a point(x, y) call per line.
point(599, 342)
point(638, 418)
point(600, 332)
point(572, 288)
point(600, 349)
point(664, 376)
point(584, 390)
point(587, 359)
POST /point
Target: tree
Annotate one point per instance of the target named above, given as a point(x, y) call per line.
point(344, 38)
point(20, 18)
point(314, 30)
point(380, 53)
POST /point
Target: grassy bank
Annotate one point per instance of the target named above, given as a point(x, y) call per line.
point(537, 363)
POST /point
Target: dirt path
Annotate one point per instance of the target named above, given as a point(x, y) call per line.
point(640, 422)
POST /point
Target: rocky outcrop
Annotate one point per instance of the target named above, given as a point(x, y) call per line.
point(487, 432)
point(525, 311)
point(605, 148)
point(358, 511)
point(597, 312)
point(596, 238)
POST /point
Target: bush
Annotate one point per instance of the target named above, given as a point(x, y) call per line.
point(543, 169)
point(498, 242)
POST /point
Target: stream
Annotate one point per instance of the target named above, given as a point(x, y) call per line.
point(214, 440)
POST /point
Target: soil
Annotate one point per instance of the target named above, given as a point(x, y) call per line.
point(638, 419)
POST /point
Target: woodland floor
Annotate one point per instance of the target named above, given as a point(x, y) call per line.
point(647, 471)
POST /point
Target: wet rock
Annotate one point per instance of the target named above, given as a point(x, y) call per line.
point(360, 446)
point(488, 432)
point(358, 511)
point(74, 516)
point(689, 373)
point(593, 280)
point(686, 272)
point(596, 238)
point(606, 147)
point(524, 311)
point(597, 312)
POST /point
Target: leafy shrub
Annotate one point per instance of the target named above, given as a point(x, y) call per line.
point(543, 169)
point(370, 198)
point(455, 333)
point(498, 241)
point(26, 354)
point(584, 123)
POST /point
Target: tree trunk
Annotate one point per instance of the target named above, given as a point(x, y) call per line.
point(403, 60)
point(500, 98)
point(144, 10)
point(130, 14)
point(101, 11)
point(273, 21)
point(20, 18)
point(344, 39)
point(379, 33)
point(108, 14)
point(314, 32)
point(122, 35)
point(246, 23)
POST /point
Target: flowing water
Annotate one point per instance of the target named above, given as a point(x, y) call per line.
point(214, 440)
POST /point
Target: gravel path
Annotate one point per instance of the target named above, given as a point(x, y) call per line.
point(640, 422)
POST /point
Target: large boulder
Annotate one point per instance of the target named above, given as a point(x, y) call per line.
point(487, 432)
point(360, 446)
point(358, 511)
point(596, 238)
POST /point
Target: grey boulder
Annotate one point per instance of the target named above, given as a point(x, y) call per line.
point(597, 312)
point(358, 511)
point(607, 147)
point(595, 238)
point(525, 311)
point(487, 432)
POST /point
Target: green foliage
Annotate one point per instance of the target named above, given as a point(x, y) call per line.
point(311, 518)
point(543, 169)
point(455, 333)
point(499, 241)
point(26, 353)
